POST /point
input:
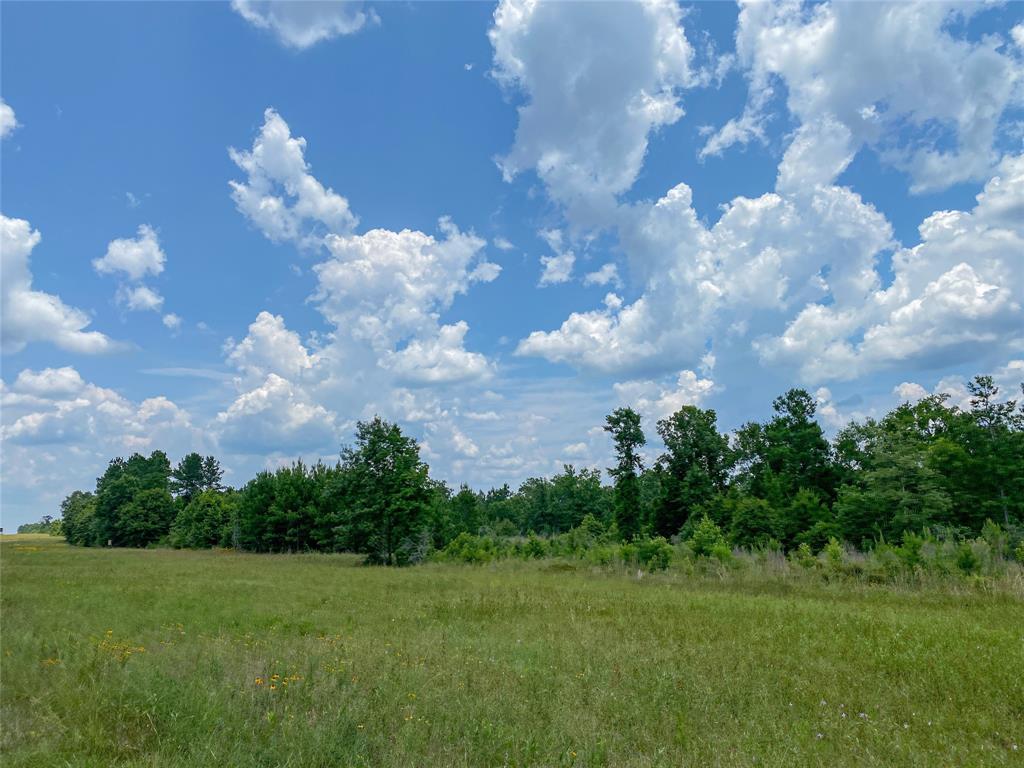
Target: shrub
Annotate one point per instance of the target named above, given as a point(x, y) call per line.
point(722, 553)
point(1019, 553)
point(467, 548)
point(803, 556)
point(653, 554)
point(967, 559)
point(833, 556)
point(706, 536)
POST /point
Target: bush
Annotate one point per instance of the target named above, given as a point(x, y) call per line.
point(833, 556)
point(803, 557)
point(653, 554)
point(706, 536)
point(467, 548)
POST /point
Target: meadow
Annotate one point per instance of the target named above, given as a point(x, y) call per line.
point(158, 657)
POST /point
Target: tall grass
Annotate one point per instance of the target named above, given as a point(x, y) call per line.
point(169, 658)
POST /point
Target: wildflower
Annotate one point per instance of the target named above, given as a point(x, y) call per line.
point(360, 726)
point(819, 736)
point(273, 687)
point(259, 681)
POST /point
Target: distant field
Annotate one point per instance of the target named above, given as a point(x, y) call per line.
point(175, 658)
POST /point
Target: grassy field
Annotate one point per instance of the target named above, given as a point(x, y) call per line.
point(175, 658)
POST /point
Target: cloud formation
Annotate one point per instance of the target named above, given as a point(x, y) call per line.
point(301, 24)
point(29, 315)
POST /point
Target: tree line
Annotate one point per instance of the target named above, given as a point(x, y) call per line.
point(781, 483)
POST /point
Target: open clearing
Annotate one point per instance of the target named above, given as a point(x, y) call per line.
point(203, 658)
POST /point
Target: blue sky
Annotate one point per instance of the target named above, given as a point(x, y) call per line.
point(491, 223)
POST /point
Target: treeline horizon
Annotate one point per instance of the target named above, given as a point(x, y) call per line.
point(776, 484)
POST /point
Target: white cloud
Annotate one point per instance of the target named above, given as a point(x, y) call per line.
point(172, 321)
point(275, 417)
point(8, 122)
point(304, 23)
point(136, 258)
point(896, 76)
point(958, 291)
point(598, 78)
point(607, 274)
point(1017, 34)
point(29, 315)
point(140, 298)
point(658, 400)
point(503, 244)
point(1008, 378)
point(482, 416)
point(439, 360)
point(280, 196)
point(909, 391)
point(56, 406)
point(269, 347)
point(383, 287)
point(557, 268)
point(763, 257)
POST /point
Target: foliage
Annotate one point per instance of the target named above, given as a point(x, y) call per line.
point(694, 468)
point(385, 493)
point(706, 536)
point(623, 425)
point(208, 520)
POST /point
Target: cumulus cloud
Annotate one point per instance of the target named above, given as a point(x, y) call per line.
point(269, 347)
point(29, 315)
point(607, 274)
point(134, 258)
point(1008, 378)
point(898, 77)
point(958, 290)
point(8, 122)
point(140, 298)
point(657, 400)
point(383, 294)
point(597, 79)
point(439, 360)
point(57, 406)
point(172, 321)
point(764, 257)
point(557, 268)
point(384, 286)
point(301, 24)
point(280, 196)
point(275, 417)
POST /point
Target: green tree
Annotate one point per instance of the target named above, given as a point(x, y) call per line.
point(187, 478)
point(466, 511)
point(899, 492)
point(147, 518)
point(118, 519)
point(386, 491)
point(206, 521)
point(624, 426)
point(754, 522)
point(212, 474)
point(695, 466)
point(78, 511)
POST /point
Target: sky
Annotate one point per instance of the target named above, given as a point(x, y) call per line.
point(240, 228)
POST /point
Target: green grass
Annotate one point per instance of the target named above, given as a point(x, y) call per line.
point(528, 664)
